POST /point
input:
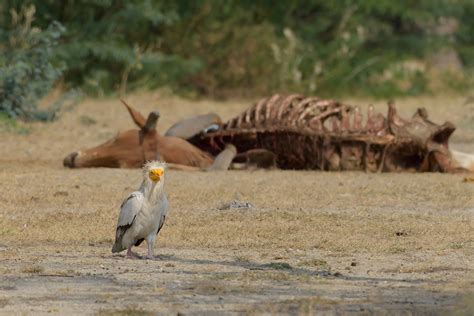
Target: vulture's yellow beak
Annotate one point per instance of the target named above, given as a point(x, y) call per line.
point(156, 174)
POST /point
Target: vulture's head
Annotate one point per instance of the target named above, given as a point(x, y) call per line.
point(154, 173)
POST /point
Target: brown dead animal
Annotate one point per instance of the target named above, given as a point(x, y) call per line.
point(132, 148)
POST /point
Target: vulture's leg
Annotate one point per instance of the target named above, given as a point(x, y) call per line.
point(130, 254)
point(150, 240)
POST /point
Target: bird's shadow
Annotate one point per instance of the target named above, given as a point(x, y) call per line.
point(273, 266)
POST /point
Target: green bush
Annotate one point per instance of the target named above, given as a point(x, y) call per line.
point(360, 47)
point(235, 52)
point(26, 71)
point(108, 44)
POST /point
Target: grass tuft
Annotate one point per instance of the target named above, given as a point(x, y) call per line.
point(34, 269)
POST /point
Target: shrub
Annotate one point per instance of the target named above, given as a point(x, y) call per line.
point(26, 71)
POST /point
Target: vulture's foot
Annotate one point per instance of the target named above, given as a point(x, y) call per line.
point(131, 255)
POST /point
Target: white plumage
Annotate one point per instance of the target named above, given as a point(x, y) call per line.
point(143, 212)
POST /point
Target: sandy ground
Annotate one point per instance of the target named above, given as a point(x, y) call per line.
point(311, 242)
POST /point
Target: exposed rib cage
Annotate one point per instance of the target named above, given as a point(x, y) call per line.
point(298, 112)
point(312, 133)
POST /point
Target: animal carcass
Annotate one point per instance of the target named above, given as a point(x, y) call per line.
point(312, 133)
point(290, 132)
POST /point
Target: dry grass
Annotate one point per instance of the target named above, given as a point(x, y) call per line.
point(300, 306)
point(33, 269)
point(319, 263)
point(303, 211)
point(130, 311)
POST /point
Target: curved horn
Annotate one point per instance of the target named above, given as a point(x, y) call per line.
point(136, 116)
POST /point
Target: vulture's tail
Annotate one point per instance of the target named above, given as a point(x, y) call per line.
point(117, 247)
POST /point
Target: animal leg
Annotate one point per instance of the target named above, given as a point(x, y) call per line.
point(224, 159)
point(259, 158)
point(130, 254)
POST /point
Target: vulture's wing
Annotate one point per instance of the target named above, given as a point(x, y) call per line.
point(128, 212)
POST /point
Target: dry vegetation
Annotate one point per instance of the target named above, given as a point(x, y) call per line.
point(336, 242)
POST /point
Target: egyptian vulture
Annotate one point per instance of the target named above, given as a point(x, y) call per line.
point(143, 212)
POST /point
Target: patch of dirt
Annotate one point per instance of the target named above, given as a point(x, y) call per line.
point(310, 242)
